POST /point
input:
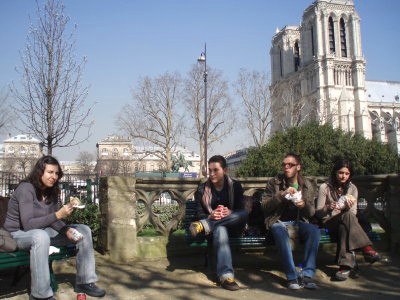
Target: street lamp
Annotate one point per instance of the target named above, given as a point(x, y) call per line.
point(203, 59)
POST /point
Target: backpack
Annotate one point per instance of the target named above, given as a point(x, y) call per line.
point(7, 243)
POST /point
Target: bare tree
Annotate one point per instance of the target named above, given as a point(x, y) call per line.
point(22, 163)
point(51, 100)
point(290, 108)
point(220, 112)
point(153, 116)
point(253, 89)
point(5, 113)
point(85, 160)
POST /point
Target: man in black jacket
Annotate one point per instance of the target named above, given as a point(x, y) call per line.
point(220, 209)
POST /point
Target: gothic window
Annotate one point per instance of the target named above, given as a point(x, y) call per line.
point(280, 62)
point(343, 38)
point(312, 41)
point(296, 56)
point(331, 31)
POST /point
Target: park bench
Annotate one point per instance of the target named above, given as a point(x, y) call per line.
point(243, 241)
point(20, 259)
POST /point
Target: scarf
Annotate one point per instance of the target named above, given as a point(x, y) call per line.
point(207, 195)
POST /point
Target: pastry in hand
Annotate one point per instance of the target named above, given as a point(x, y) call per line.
point(76, 202)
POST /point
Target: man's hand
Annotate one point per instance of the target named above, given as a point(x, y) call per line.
point(300, 203)
point(290, 190)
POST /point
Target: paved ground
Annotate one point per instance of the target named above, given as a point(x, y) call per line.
point(185, 277)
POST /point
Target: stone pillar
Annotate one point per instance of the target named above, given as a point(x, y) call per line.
point(118, 226)
point(394, 212)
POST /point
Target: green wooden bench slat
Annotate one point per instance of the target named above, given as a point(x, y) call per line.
point(247, 241)
point(22, 258)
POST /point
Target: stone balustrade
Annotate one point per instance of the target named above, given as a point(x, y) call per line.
point(120, 222)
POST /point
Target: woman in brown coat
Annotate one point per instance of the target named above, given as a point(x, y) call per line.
point(337, 208)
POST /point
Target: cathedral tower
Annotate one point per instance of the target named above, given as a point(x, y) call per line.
point(318, 70)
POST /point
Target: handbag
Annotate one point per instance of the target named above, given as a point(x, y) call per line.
point(7, 243)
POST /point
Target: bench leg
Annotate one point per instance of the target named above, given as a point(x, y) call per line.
point(53, 282)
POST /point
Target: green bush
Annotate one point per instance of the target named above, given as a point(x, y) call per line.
point(90, 216)
point(318, 145)
point(165, 212)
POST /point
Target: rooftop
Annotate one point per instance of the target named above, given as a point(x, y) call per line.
point(382, 91)
point(22, 138)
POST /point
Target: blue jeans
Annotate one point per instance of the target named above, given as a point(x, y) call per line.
point(310, 235)
point(220, 230)
point(37, 241)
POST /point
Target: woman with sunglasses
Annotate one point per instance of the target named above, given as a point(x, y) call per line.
point(337, 209)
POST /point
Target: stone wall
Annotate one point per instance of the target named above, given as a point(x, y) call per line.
point(120, 224)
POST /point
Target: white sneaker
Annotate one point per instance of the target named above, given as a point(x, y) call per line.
point(294, 284)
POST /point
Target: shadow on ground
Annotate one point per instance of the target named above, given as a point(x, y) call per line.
point(186, 277)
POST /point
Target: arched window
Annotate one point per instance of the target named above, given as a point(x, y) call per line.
point(115, 152)
point(343, 45)
point(312, 41)
point(280, 62)
point(296, 56)
point(331, 31)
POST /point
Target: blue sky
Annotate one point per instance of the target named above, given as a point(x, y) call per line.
point(124, 40)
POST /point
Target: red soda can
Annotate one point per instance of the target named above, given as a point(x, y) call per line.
point(81, 296)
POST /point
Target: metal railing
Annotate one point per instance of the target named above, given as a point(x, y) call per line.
point(77, 185)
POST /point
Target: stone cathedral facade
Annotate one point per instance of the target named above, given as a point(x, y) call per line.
point(318, 73)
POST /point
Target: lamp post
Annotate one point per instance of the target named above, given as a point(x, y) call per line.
point(203, 59)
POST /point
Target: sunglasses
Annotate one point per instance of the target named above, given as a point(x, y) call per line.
point(290, 165)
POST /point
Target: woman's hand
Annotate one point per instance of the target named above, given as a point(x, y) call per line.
point(349, 202)
point(70, 236)
point(226, 212)
point(216, 214)
point(333, 206)
point(64, 212)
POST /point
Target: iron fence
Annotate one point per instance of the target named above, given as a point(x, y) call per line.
point(78, 185)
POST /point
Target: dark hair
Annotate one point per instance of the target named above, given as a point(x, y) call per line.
point(338, 164)
point(295, 156)
point(218, 159)
point(35, 178)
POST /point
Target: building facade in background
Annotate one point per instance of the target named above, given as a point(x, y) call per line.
point(19, 153)
point(118, 155)
point(318, 73)
point(235, 159)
